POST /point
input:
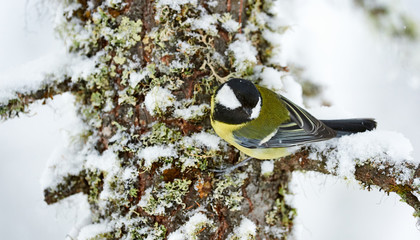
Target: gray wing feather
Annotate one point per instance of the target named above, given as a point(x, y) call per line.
point(303, 128)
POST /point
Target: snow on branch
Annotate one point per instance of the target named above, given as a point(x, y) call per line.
point(20, 102)
point(41, 79)
point(377, 158)
point(70, 185)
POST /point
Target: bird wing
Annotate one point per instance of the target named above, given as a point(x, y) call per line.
point(300, 129)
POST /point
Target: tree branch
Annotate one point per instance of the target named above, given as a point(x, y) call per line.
point(385, 175)
point(70, 185)
point(20, 104)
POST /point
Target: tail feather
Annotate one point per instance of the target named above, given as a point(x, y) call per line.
point(349, 126)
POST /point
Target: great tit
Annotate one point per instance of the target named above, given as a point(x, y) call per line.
point(263, 124)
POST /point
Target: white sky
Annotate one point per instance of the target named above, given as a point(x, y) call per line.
point(360, 77)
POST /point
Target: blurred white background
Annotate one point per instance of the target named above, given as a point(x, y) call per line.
point(364, 73)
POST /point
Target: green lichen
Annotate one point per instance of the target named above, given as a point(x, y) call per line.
point(229, 191)
point(108, 235)
point(12, 108)
point(166, 196)
point(96, 99)
point(156, 233)
point(161, 134)
point(95, 180)
point(281, 212)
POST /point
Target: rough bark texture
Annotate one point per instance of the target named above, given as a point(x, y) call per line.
point(145, 37)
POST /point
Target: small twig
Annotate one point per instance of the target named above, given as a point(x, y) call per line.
point(241, 6)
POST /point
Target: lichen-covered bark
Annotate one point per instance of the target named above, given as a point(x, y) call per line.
point(146, 107)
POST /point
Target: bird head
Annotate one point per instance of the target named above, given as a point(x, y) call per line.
point(236, 101)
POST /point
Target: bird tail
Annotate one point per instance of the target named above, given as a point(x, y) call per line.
point(349, 126)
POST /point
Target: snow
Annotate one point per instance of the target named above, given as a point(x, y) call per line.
point(227, 98)
point(203, 139)
point(246, 230)
point(329, 208)
point(145, 197)
point(90, 231)
point(158, 98)
point(364, 74)
point(175, 4)
point(206, 22)
point(69, 154)
point(280, 82)
point(153, 153)
point(267, 167)
point(196, 221)
point(213, 3)
point(189, 230)
point(32, 75)
point(375, 146)
point(191, 112)
point(136, 77)
point(231, 25)
point(80, 203)
point(271, 78)
point(292, 90)
point(244, 53)
point(185, 47)
point(105, 162)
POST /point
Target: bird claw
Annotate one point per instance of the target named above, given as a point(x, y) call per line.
point(228, 170)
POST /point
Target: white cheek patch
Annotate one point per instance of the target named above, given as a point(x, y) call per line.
point(256, 110)
point(226, 97)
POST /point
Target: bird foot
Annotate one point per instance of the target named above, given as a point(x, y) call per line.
point(225, 171)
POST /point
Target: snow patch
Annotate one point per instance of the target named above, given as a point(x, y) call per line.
point(71, 152)
point(203, 139)
point(175, 4)
point(43, 71)
point(191, 112)
point(344, 153)
point(231, 25)
point(206, 22)
point(267, 168)
point(189, 230)
point(90, 231)
point(244, 53)
point(246, 230)
point(153, 153)
point(158, 99)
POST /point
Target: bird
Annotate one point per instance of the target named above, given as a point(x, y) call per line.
point(264, 125)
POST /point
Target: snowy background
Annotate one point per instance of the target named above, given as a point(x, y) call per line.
point(364, 73)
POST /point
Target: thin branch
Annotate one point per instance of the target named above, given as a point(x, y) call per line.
point(384, 175)
point(69, 185)
point(20, 104)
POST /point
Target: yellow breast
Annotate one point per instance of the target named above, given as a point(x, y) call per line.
point(225, 130)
